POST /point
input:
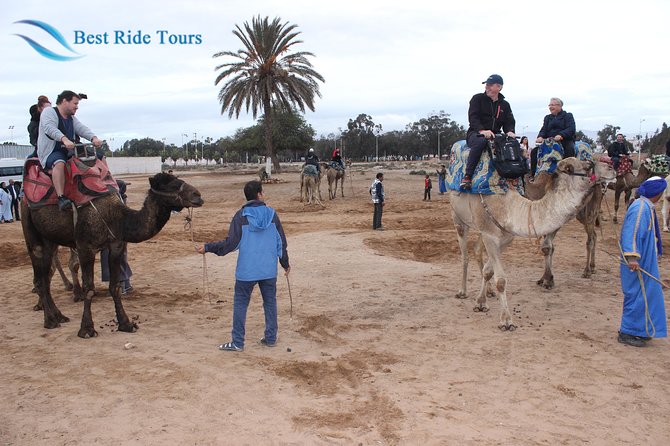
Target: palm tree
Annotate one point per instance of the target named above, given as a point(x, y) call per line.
point(266, 76)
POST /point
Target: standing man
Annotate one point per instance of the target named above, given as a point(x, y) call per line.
point(377, 193)
point(489, 112)
point(616, 149)
point(560, 125)
point(258, 234)
point(55, 142)
point(14, 191)
point(643, 314)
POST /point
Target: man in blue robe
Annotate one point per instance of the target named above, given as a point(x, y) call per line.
point(643, 315)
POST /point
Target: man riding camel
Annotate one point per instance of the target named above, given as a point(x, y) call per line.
point(55, 142)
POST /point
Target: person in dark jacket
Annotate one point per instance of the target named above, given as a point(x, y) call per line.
point(35, 111)
point(560, 125)
point(258, 234)
point(489, 112)
point(377, 195)
point(616, 149)
point(312, 159)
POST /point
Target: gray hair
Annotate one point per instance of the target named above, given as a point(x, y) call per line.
point(557, 100)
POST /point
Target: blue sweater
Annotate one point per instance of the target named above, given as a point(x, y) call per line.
point(257, 232)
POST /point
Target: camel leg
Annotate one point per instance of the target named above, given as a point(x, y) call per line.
point(494, 248)
point(665, 209)
point(547, 248)
point(342, 185)
point(73, 265)
point(479, 255)
point(617, 197)
point(87, 261)
point(462, 232)
point(66, 282)
point(487, 274)
point(591, 237)
point(42, 258)
point(302, 185)
point(116, 251)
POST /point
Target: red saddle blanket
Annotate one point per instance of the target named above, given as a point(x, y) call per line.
point(625, 166)
point(83, 182)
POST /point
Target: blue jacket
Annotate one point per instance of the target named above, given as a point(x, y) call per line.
point(257, 232)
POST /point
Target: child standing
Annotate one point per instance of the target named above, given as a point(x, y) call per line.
point(428, 185)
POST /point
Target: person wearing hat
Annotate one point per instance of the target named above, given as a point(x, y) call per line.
point(643, 316)
point(312, 159)
point(560, 125)
point(489, 113)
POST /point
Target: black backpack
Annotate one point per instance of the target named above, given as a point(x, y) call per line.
point(507, 158)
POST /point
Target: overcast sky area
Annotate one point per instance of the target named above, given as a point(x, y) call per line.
point(395, 61)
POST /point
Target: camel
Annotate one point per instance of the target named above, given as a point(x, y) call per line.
point(626, 182)
point(500, 218)
point(317, 181)
point(105, 222)
point(588, 216)
point(308, 185)
point(334, 175)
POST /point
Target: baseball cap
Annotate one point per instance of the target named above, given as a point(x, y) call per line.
point(311, 150)
point(494, 79)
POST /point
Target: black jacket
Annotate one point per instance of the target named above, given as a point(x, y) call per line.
point(314, 160)
point(617, 149)
point(484, 114)
point(562, 124)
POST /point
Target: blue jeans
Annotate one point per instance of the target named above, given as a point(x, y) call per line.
point(241, 299)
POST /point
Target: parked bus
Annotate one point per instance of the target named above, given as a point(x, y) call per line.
point(11, 169)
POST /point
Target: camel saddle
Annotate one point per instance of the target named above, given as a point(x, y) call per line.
point(625, 166)
point(84, 181)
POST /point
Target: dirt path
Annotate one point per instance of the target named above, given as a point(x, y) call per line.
point(380, 350)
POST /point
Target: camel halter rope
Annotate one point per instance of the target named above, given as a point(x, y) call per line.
point(188, 226)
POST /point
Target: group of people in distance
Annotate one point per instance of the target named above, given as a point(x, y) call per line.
point(643, 315)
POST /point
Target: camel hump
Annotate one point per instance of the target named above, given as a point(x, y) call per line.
point(83, 182)
point(485, 181)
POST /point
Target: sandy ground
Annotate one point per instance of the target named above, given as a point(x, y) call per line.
point(380, 350)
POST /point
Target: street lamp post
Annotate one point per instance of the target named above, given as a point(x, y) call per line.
point(377, 148)
point(11, 130)
point(639, 141)
point(195, 141)
point(111, 145)
point(185, 147)
point(438, 144)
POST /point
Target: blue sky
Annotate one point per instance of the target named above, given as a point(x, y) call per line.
point(396, 61)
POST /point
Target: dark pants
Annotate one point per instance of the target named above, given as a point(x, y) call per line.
point(377, 218)
point(124, 274)
point(241, 299)
point(426, 194)
point(568, 149)
point(15, 209)
point(477, 144)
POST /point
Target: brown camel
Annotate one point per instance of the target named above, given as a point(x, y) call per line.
point(588, 216)
point(317, 184)
point(334, 176)
point(500, 218)
point(626, 183)
point(105, 222)
point(308, 188)
point(74, 285)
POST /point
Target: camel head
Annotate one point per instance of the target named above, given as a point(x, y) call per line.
point(175, 193)
point(595, 172)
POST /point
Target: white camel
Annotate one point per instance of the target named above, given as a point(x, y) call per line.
point(500, 218)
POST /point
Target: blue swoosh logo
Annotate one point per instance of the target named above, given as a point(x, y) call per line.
point(53, 32)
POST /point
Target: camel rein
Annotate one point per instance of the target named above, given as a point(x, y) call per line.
point(188, 226)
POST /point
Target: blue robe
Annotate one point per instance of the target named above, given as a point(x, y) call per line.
point(640, 238)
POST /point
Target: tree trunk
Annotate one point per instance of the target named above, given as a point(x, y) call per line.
point(269, 145)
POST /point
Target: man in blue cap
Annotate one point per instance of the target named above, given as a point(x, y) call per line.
point(643, 314)
point(489, 112)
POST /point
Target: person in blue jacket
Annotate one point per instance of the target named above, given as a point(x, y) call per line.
point(257, 233)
